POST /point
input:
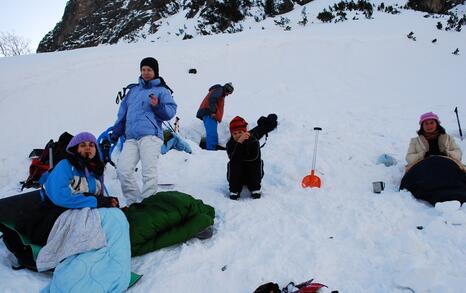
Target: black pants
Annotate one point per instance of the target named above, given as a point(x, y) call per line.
point(245, 173)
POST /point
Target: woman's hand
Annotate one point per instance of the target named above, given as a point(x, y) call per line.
point(153, 100)
point(114, 202)
point(107, 202)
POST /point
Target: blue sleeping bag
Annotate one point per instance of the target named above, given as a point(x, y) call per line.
point(107, 269)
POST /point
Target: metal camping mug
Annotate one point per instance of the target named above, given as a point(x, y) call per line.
point(378, 186)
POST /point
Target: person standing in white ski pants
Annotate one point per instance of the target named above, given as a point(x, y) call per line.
point(140, 117)
point(147, 150)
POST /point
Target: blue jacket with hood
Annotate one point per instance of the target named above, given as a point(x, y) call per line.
point(137, 117)
point(65, 186)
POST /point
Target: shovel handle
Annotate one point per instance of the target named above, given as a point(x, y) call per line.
point(317, 129)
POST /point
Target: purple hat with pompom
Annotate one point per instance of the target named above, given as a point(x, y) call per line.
point(427, 116)
point(79, 138)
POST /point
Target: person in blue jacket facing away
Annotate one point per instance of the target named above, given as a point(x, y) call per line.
point(139, 119)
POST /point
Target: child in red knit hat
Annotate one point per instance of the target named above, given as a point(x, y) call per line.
point(246, 166)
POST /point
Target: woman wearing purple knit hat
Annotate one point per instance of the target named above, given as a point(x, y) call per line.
point(77, 181)
point(432, 140)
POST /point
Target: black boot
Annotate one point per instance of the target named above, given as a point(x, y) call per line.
point(234, 195)
point(256, 194)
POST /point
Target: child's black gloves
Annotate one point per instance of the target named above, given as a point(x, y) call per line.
point(113, 138)
point(269, 122)
point(272, 117)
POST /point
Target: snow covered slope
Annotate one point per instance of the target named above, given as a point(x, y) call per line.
point(362, 81)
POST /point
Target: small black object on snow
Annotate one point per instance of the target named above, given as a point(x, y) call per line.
point(411, 36)
point(434, 41)
point(224, 268)
point(420, 227)
point(192, 71)
point(456, 52)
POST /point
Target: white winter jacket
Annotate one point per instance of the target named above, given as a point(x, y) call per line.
point(419, 146)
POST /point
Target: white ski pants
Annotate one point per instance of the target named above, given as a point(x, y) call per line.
point(147, 150)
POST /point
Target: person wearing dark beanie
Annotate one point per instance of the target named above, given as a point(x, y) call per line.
point(152, 63)
point(246, 166)
point(139, 119)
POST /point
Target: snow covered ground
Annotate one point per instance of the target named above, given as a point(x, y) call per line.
point(362, 81)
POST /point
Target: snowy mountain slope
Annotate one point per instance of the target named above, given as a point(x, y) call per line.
point(87, 23)
point(362, 81)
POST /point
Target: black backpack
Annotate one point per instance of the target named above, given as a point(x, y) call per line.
point(268, 288)
point(43, 160)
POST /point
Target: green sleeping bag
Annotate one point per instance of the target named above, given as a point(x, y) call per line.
point(165, 219)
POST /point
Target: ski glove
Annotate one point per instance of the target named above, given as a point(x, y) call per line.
point(113, 138)
point(105, 146)
point(272, 117)
point(107, 202)
point(269, 122)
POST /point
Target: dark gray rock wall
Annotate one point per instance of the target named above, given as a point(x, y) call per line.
point(87, 23)
point(434, 6)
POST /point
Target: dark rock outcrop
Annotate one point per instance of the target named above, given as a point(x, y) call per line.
point(433, 6)
point(88, 23)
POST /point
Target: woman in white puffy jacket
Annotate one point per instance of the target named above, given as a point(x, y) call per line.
point(432, 140)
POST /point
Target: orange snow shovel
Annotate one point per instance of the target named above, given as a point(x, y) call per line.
point(312, 180)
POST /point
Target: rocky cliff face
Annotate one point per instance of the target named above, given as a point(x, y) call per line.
point(434, 6)
point(88, 23)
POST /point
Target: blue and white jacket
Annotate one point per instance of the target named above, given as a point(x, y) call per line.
point(137, 117)
point(67, 187)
